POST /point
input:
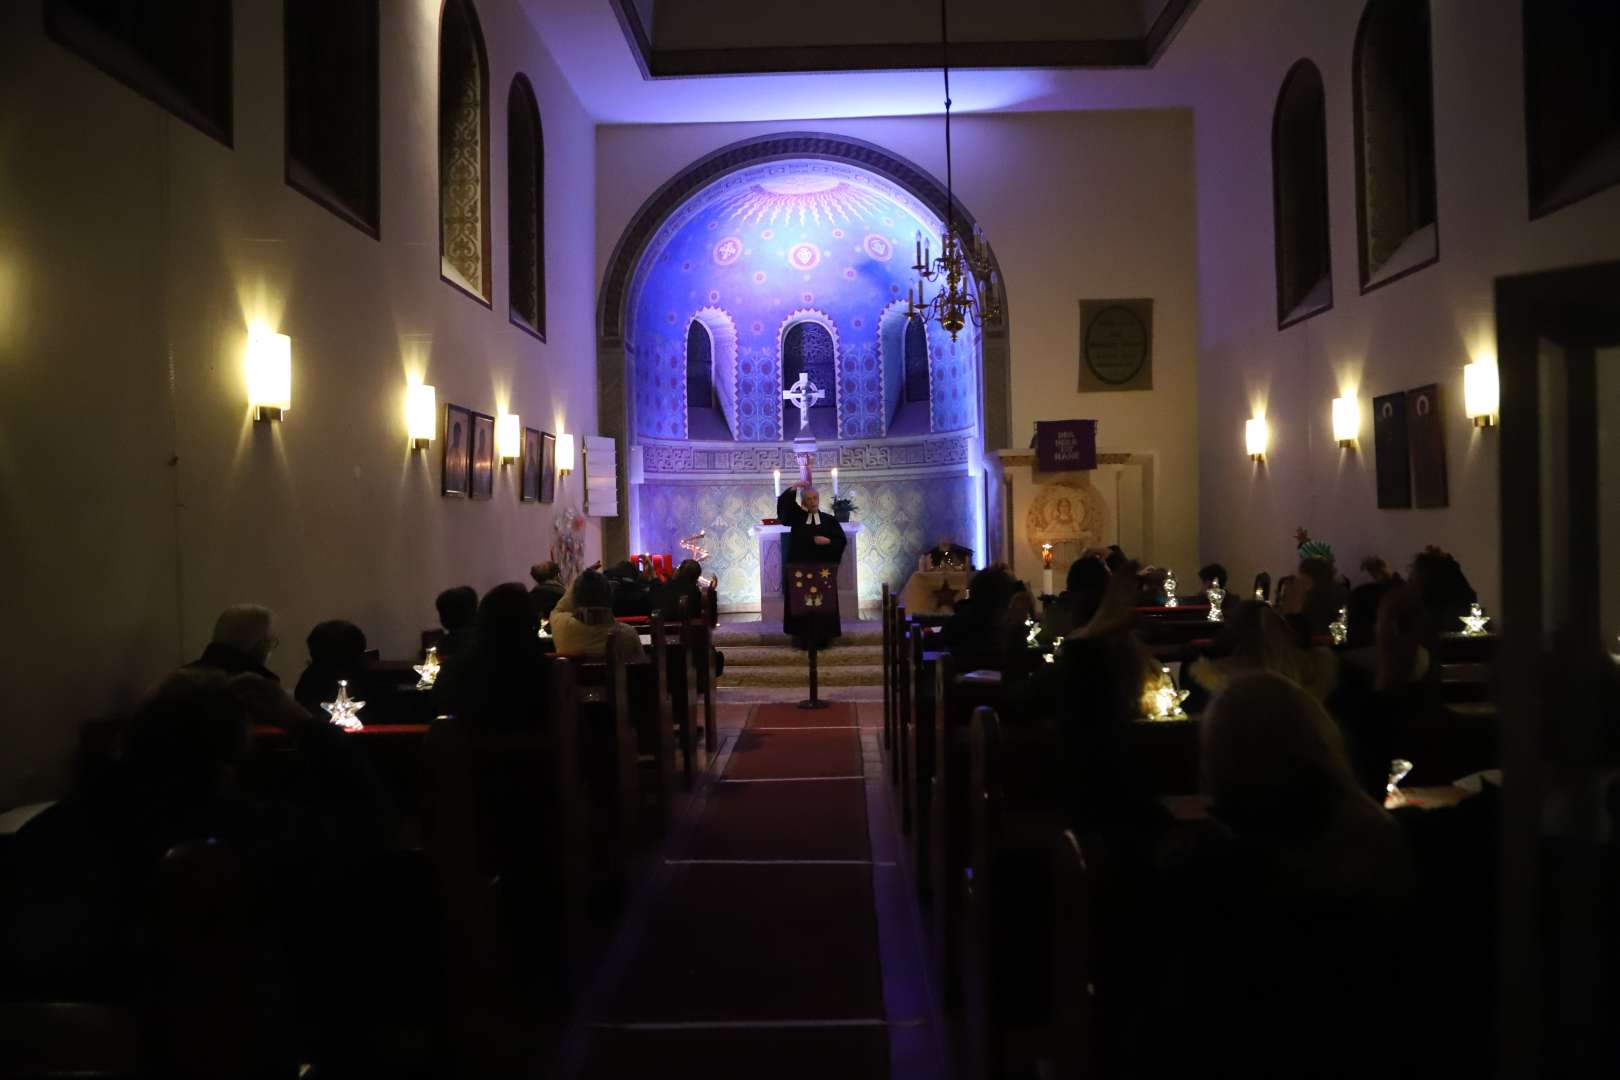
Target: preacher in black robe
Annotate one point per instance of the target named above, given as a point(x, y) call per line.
point(813, 537)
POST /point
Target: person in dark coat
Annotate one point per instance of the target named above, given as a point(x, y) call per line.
point(244, 637)
point(337, 650)
point(458, 614)
point(548, 589)
point(813, 537)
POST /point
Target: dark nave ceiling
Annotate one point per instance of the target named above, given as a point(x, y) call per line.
point(676, 38)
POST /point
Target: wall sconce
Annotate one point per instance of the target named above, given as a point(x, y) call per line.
point(269, 374)
point(565, 453)
point(1255, 436)
point(1346, 421)
point(1482, 393)
point(421, 415)
point(508, 437)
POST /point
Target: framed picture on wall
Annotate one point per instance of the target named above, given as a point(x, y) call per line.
point(529, 485)
point(1394, 465)
point(456, 471)
point(1426, 433)
point(548, 467)
point(483, 456)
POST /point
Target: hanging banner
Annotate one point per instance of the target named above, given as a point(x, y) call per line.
point(1065, 445)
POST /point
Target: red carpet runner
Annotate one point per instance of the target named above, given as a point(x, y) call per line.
point(761, 957)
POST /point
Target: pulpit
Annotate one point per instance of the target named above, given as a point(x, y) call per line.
point(769, 539)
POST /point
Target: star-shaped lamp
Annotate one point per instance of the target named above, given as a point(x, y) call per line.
point(343, 710)
point(1339, 628)
point(1170, 590)
point(1216, 597)
point(1164, 701)
point(428, 670)
point(1474, 622)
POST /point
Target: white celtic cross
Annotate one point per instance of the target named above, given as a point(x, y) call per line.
point(802, 395)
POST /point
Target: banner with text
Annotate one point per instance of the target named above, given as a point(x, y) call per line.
point(1065, 445)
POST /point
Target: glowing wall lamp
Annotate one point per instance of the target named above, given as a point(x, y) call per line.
point(1255, 436)
point(269, 374)
point(1482, 393)
point(421, 415)
point(565, 453)
point(508, 437)
point(1346, 421)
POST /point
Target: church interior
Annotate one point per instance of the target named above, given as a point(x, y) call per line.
point(608, 538)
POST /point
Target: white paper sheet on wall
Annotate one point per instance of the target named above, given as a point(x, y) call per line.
point(601, 477)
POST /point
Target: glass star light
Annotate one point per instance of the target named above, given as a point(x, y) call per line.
point(428, 670)
point(1170, 590)
point(1339, 628)
point(1164, 701)
point(1474, 622)
point(343, 710)
point(1216, 597)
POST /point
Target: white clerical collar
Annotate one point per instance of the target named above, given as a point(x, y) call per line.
point(815, 518)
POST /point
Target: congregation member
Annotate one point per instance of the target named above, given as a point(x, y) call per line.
point(1312, 598)
point(547, 590)
point(458, 616)
point(1444, 592)
point(337, 650)
point(1257, 638)
point(583, 622)
point(1212, 576)
point(683, 584)
point(632, 589)
point(1083, 590)
point(988, 626)
point(243, 639)
point(1284, 909)
point(497, 683)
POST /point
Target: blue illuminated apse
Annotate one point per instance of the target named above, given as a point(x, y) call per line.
point(773, 270)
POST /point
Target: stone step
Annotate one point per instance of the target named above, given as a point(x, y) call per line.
point(729, 634)
point(798, 675)
point(780, 656)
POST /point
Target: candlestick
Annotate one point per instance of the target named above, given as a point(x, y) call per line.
point(835, 481)
point(776, 480)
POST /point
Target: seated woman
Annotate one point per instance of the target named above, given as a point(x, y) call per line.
point(548, 588)
point(1313, 598)
point(458, 615)
point(683, 584)
point(1444, 591)
point(496, 683)
point(582, 623)
point(1285, 915)
point(1259, 639)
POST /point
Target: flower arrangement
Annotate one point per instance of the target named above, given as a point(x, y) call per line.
point(843, 506)
point(568, 543)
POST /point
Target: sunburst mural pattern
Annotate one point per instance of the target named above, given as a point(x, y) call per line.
point(802, 201)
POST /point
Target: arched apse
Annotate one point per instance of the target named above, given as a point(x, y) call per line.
point(760, 231)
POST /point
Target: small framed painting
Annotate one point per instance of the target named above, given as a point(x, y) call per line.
point(483, 456)
point(456, 471)
point(529, 485)
point(548, 467)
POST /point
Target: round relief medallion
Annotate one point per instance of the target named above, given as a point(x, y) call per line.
point(728, 250)
point(878, 247)
point(1068, 514)
point(804, 256)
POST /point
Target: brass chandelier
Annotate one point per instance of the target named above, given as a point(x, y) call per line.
point(958, 299)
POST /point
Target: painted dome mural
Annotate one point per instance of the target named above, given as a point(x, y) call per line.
point(789, 267)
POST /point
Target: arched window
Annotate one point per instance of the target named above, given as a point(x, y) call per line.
point(1572, 100)
point(808, 347)
point(916, 360)
point(1299, 194)
point(463, 151)
point(331, 106)
point(704, 419)
point(526, 208)
point(1394, 113)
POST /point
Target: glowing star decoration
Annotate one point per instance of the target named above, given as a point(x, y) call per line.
point(1398, 769)
point(545, 630)
point(693, 545)
point(1033, 638)
point(1163, 702)
point(1216, 597)
point(428, 669)
point(1339, 629)
point(1474, 622)
point(343, 710)
point(1170, 590)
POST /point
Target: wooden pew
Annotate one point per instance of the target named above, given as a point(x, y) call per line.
point(682, 679)
point(888, 667)
point(897, 662)
point(919, 753)
point(652, 698)
point(608, 766)
point(1015, 818)
point(509, 849)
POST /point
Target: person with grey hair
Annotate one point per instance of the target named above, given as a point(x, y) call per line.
point(813, 537)
point(244, 637)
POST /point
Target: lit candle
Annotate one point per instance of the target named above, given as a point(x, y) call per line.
point(776, 479)
point(835, 481)
point(1046, 570)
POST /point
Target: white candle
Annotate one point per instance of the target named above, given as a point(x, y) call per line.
point(835, 481)
point(776, 480)
point(1046, 582)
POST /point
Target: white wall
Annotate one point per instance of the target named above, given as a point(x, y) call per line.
point(138, 497)
point(1076, 205)
point(1421, 329)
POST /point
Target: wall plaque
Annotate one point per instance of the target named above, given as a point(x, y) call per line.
point(1116, 345)
point(1390, 449)
point(1426, 434)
